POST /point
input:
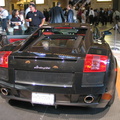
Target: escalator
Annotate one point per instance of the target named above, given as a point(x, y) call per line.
point(81, 3)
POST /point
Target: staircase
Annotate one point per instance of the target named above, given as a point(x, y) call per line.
point(82, 2)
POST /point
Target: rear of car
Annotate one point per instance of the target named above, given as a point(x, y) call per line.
point(59, 70)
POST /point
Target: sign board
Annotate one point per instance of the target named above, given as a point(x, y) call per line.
point(39, 1)
point(2, 2)
point(104, 0)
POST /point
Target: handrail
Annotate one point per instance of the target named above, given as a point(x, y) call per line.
point(83, 3)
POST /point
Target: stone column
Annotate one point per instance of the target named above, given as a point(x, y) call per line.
point(119, 5)
point(116, 3)
point(7, 6)
point(67, 2)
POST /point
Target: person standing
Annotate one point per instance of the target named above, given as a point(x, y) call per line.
point(46, 14)
point(91, 16)
point(116, 17)
point(35, 18)
point(79, 15)
point(22, 18)
point(56, 14)
point(110, 15)
point(28, 10)
point(70, 15)
point(75, 14)
point(16, 23)
point(105, 16)
point(96, 17)
point(4, 15)
point(102, 16)
point(83, 16)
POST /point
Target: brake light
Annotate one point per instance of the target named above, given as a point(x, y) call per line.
point(95, 63)
point(14, 40)
point(4, 58)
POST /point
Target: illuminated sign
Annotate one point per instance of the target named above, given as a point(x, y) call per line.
point(2, 2)
point(104, 0)
point(39, 1)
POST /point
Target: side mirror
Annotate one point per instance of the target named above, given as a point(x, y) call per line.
point(104, 33)
point(107, 33)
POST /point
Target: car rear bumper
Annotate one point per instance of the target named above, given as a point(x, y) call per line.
point(21, 93)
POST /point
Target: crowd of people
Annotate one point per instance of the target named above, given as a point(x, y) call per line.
point(33, 18)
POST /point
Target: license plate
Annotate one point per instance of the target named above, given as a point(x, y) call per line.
point(43, 98)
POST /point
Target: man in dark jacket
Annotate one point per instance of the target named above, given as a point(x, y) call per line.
point(70, 14)
point(35, 18)
point(56, 14)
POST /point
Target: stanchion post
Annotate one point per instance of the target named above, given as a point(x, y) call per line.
point(116, 28)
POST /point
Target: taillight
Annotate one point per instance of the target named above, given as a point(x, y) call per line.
point(14, 40)
point(95, 63)
point(4, 58)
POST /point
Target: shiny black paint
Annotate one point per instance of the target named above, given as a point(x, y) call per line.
point(73, 91)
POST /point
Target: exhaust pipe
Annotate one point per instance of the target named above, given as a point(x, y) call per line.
point(4, 91)
point(89, 99)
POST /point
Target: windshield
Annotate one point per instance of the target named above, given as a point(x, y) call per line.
point(64, 31)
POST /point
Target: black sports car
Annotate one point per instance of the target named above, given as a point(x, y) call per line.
point(59, 64)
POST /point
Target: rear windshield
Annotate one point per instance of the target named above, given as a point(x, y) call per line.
point(51, 45)
point(51, 31)
point(64, 31)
